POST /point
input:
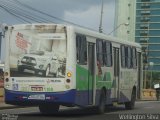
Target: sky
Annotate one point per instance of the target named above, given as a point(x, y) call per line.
point(82, 12)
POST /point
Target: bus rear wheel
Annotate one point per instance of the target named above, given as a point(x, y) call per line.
point(49, 109)
point(131, 104)
point(102, 102)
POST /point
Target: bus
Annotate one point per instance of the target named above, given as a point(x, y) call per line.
point(48, 65)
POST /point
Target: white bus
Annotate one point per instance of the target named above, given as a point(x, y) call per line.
point(49, 65)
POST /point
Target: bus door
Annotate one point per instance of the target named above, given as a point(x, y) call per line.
point(116, 73)
point(91, 71)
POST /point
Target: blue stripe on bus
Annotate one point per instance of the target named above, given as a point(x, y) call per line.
point(22, 98)
point(69, 98)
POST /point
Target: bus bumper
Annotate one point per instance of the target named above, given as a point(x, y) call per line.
point(37, 98)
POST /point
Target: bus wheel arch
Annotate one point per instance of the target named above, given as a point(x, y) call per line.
point(131, 104)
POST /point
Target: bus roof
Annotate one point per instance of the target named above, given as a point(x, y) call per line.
point(85, 31)
point(105, 37)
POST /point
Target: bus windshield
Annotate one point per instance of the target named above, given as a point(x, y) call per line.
point(38, 51)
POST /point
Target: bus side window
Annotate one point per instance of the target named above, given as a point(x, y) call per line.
point(129, 57)
point(126, 57)
point(107, 53)
point(123, 56)
point(99, 51)
point(81, 49)
point(134, 58)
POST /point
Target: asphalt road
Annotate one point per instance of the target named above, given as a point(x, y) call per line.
point(147, 110)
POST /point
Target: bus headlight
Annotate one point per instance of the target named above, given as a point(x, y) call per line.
point(68, 80)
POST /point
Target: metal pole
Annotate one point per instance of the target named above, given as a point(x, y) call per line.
point(126, 24)
point(0, 43)
point(151, 80)
point(116, 16)
point(101, 19)
point(151, 67)
point(145, 77)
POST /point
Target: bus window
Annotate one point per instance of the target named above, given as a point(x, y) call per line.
point(81, 47)
point(134, 57)
point(129, 57)
point(126, 57)
point(107, 53)
point(123, 56)
point(99, 46)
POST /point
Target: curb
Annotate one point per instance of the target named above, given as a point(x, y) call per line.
point(8, 107)
point(4, 106)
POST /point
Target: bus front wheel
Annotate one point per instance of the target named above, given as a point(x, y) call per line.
point(130, 105)
point(49, 109)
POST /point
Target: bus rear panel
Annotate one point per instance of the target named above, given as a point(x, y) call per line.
point(35, 70)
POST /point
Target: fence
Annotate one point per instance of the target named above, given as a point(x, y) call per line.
point(149, 94)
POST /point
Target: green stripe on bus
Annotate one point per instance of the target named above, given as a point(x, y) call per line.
point(104, 80)
point(84, 79)
point(82, 75)
point(81, 78)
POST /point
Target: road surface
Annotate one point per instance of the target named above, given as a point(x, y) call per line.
point(147, 110)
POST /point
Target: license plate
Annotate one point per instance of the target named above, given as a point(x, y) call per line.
point(37, 97)
point(36, 88)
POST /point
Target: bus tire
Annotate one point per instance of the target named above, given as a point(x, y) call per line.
point(102, 103)
point(49, 109)
point(131, 104)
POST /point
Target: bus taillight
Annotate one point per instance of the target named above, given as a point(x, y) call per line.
point(68, 80)
point(69, 74)
point(7, 80)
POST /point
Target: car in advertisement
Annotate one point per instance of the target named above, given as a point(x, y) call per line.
point(41, 63)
